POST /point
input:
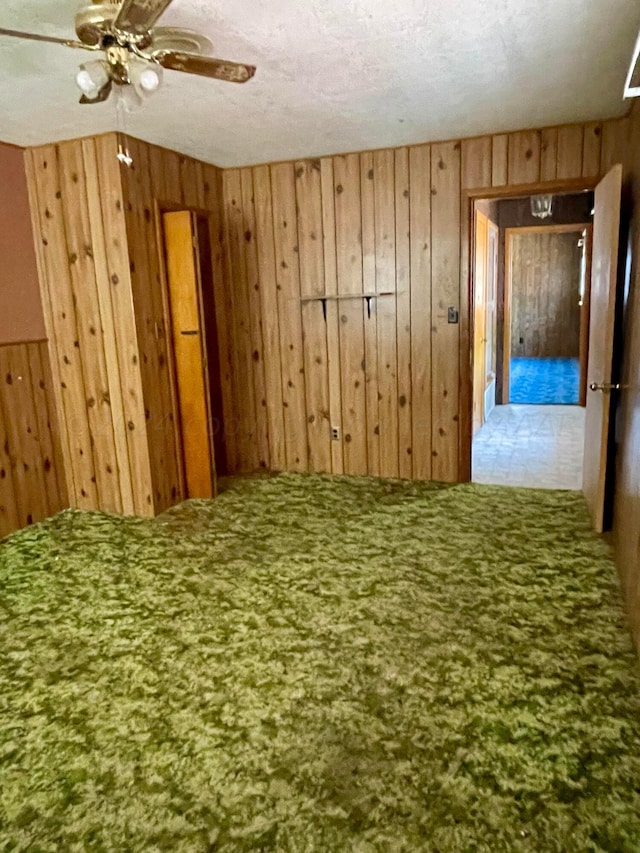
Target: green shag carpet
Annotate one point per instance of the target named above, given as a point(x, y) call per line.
point(319, 664)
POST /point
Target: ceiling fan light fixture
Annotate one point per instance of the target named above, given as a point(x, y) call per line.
point(145, 77)
point(92, 77)
point(541, 206)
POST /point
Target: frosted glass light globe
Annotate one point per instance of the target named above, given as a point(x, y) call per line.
point(85, 82)
point(149, 80)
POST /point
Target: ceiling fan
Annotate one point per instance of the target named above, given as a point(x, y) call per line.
point(135, 51)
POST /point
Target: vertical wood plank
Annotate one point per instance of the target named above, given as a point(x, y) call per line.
point(50, 359)
point(591, 150)
point(403, 311)
point(475, 172)
point(445, 271)
point(314, 332)
point(22, 434)
point(152, 329)
point(270, 319)
point(288, 284)
point(124, 328)
point(549, 154)
point(89, 326)
point(214, 202)
point(248, 457)
point(499, 160)
point(385, 223)
point(352, 350)
point(112, 367)
point(570, 148)
point(50, 458)
point(331, 289)
point(615, 142)
point(60, 314)
point(370, 317)
point(420, 249)
point(524, 157)
point(9, 511)
point(255, 318)
point(476, 162)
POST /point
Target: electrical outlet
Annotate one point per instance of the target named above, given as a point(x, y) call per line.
point(335, 433)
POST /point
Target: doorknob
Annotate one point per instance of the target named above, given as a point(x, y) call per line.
point(606, 387)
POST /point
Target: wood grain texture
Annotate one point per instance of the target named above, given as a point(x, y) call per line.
point(545, 278)
point(314, 332)
point(421, 344)
point(524, 157)
point(570, 151)
point(603, 297)
point(270, 319)
point(370, 317)
point(499, 160)
point(290, 369)
point(626, 521)
point(100, 266)
point(445, 294)
point(188, 348)
point(32, 479)
point(347, 189)
point(403, 311)
point(255, 318)
point(289, 308)
point(549, 154)
point(385, 309)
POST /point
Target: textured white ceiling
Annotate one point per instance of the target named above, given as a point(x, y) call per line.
point(338, 75)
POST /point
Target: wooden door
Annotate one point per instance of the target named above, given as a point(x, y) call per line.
point(604, 267)
point(479, 320)
point(493, 234)
point(189, 352)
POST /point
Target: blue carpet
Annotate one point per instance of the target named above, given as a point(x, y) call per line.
point(545, 380)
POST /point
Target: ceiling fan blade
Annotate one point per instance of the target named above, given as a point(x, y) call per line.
point(101, 95)
point(138, 16)
point(205, 66)
point(36, 37)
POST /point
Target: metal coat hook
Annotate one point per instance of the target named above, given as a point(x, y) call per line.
point(324, 309)
point(369, 298)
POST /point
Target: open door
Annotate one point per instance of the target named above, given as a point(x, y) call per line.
point(604, 268)
point(190, 352)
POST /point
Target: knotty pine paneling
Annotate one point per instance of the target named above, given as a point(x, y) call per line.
point(394, 376)
point(545, 278)
point(32, 478)
point(102, 279)
point(164, 180)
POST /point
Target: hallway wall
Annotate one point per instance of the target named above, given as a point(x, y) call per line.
point(545, 280)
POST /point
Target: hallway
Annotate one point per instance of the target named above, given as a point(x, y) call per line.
point(534, 446)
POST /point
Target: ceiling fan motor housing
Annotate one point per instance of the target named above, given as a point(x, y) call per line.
point(95, 27)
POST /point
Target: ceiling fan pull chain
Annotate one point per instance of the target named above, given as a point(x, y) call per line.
point(124, 156)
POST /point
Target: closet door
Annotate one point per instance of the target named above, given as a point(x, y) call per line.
point(180, 236)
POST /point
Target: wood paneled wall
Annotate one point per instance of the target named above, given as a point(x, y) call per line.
point(99, 264)
point(162, 180)
point(308, 240)
point(32, 483)
point(627, 487)
point(545, 283)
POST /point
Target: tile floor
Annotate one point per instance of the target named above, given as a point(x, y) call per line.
point(536, 446)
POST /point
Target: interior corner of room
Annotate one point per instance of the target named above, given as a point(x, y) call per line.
point(164, 321)
point(319, 426)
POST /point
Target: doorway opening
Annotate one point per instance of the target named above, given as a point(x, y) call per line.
point(530, 331)
point(200, 431)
